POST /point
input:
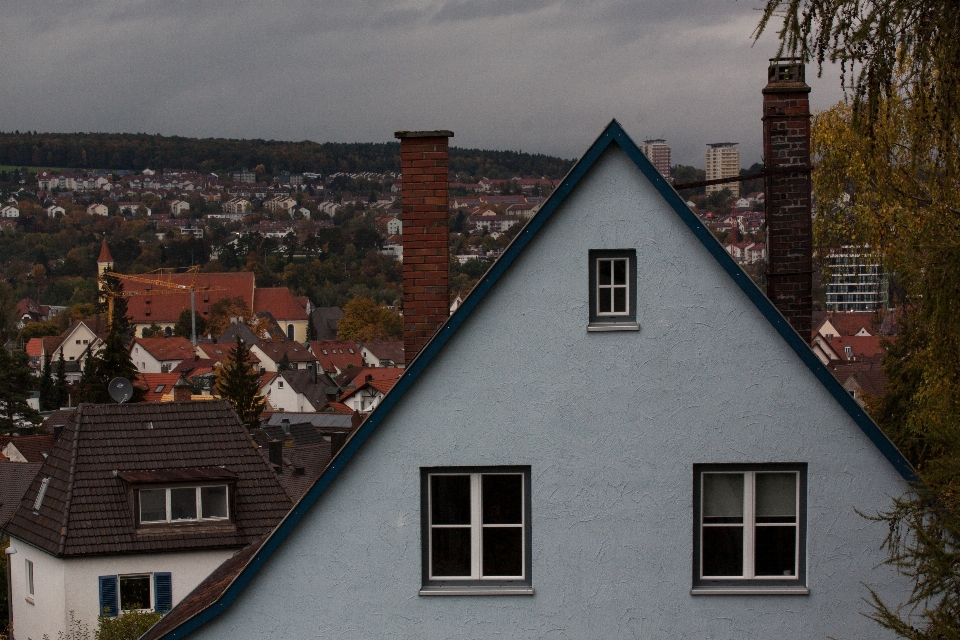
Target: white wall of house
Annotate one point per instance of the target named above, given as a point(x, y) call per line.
point(146, 363)
point(282, 396)
point(65, 585)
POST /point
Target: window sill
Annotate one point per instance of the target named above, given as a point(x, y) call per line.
point(476, 591)
point(29, 599)
point(613, 326)
point(750, 591)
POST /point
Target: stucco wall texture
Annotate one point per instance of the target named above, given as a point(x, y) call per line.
point(611, 424)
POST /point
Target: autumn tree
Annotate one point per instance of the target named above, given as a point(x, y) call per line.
point(366, 321)
point(888, 165)
point(238, 382)
point(223, 311)
point(184, 326)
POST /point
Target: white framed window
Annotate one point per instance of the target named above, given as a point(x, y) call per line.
point(135, 592)
point(476, 530)
point(750, 528)
point(613, 290)
point(29, 576)
point(184, 504)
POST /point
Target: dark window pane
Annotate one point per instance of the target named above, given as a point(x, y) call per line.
point(503, 551)
point(604, 298)
point(620, 300)
point(603, 271)
point(450, 499)
point(776, 551)
point(183, 504)
point(135, 592)
point(213, 502)
point(722, 551)
point(503, 499)
point(451, 552)
point(153, 505)
point(620, 272)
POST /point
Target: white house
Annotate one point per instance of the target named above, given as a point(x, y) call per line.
point(10, 211)
point(160, 355)
point(103, 529)
point(97, 209)
point(55, 210)
point(179, 206)
point(576, 454)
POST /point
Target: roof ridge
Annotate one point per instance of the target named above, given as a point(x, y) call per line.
point(61, 547)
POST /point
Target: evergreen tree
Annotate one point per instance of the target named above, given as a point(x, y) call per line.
point(237, 381)
point(46, 385)
point(311, 330)
point(16, 382)
point(60, 385)
point(112, 360)
point(284, 363)
point(184, 328)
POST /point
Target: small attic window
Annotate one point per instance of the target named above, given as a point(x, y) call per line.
point(350, 350)
point(848, 350)
point(159, 388)
point(324, 351)
point(40, 494)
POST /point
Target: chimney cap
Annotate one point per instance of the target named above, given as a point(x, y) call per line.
point(441, 133)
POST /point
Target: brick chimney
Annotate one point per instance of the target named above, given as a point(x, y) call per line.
point(786, 151)
point(182, 390)
point(426, 261)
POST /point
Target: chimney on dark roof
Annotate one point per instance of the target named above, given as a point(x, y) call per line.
point(786, 151)
point(276, 454)
point(182, 390)
point(426, 262)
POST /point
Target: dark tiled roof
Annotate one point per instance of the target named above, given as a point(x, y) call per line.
point(294, 351)
point(300, 434)
point(15, 478)
point(58, 418)
point(87, 507)
point(238, 330)
point(322, 421)
point(325, 321)
point(33, 448)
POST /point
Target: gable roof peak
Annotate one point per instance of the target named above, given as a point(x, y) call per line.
point(104, 253)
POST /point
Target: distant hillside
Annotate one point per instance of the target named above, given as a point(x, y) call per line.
point(116, 151)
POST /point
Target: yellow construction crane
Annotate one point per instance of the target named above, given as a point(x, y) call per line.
point(167, 287)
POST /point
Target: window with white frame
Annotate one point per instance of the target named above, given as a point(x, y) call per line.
point(183, 504)
point(135, 592)
point(29, 575)
point(613, 290)
point(750, 526)
point(476, 530)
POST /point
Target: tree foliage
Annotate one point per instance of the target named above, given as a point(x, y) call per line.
point(886, 178)
point(366, 321)
point(238, 382)
point(223, 311)
point(16, 382)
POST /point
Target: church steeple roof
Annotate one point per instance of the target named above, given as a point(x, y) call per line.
point(105, 253)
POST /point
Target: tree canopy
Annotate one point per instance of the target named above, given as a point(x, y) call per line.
point(365, 321)
point(238, 382)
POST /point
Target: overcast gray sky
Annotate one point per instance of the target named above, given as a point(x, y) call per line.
point(541, 76)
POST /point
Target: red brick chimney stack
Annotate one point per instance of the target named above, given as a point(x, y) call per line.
point(786, 146)
point(426, 261)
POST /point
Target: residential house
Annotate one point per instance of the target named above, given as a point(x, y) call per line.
point(387, 353)
point(30, 311)
point(237, 206)
point(637, 481)
point(280, 203)
point(299, 390)
point(55, 211)
point(272, 353)
point(179, 206)
point(368, 387)
point(336, 356)
point(97, 209)
point(160, 355)
point(33, 449)
point(9, 211)
point(135, 506)
point(394, 226)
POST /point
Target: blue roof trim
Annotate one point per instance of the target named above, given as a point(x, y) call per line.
point(613, 134)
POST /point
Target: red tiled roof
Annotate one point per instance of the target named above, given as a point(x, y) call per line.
point(34, 347)
point(221, 351)
point(157, 385)
point(279, 302)
point(337, 356)
point(851, 322)
point(862, 347)
point(339, 407)
point(33, 448)
point(380, 378)
point(176, 348)
point(104, 253)
point(147, 308)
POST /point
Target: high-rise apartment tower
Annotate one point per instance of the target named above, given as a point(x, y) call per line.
point(723, 161)
point(658, 153)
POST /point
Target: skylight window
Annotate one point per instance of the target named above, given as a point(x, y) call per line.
point(159, 388)
point(40, 494)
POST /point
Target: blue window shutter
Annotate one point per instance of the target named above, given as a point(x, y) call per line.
point(108, 596)
point(163, 592)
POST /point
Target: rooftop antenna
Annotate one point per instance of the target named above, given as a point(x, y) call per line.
point(120, 390)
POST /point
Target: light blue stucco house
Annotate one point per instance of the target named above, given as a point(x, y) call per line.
point(615, 436)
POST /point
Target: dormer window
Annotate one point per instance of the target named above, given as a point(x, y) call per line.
point(182, 504)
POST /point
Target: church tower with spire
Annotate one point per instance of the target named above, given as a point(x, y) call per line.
point(104, 263)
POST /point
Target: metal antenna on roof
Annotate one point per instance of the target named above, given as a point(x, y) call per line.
point(120, 390)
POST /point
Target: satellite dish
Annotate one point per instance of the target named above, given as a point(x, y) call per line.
point(120, 390)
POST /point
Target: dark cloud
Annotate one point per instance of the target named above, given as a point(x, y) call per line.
point(536, 75)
